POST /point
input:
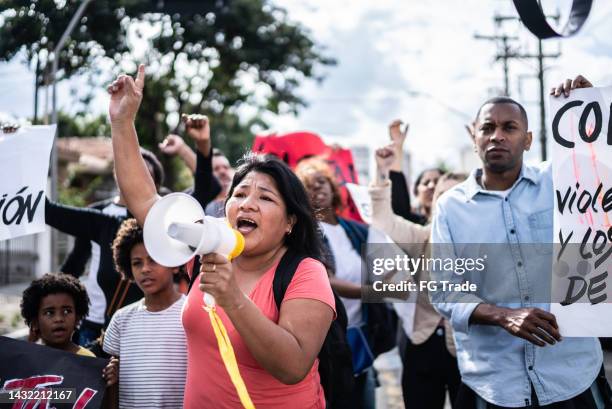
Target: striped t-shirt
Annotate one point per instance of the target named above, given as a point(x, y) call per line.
point(152, 355)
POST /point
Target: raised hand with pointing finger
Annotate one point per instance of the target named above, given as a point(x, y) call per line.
point(126, 95)
point(133, 178)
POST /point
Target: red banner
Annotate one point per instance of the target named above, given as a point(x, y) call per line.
point(293, 147)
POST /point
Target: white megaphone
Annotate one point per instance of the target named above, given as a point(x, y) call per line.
point(176, 229)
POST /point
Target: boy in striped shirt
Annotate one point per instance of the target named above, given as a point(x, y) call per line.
point(147, 336)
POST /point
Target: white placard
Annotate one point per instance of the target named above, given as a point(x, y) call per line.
point(24, 164)
point(582, 175)
point(361, 198)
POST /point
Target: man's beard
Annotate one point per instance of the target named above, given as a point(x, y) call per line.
point(500, 167)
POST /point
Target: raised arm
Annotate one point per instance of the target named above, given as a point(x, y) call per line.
point(397, 228)
point(75, 262)
point(80, 222)
point(175, 145)
point(133, 178)
point(198, 128)
point(206, 186)
point(398, 137)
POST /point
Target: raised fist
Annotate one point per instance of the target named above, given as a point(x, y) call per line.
point(384, 158)
point(172, 145)
point(197, 127)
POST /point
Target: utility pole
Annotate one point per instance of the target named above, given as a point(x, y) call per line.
point(542, 104)
point(505, 55)
point(508, 54)
point(54, 116)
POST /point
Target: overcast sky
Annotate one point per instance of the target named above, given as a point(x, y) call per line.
point(417, 61)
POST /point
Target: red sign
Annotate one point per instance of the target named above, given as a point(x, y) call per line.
point(293, 147)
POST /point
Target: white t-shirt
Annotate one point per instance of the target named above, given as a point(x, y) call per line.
point(152, 352)
point(500, 193)
point(348, 266)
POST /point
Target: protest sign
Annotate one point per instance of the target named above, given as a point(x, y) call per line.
point(293, 147)
point(362, 201)
point(33, 375)
point(582, 175)
point(24, 164)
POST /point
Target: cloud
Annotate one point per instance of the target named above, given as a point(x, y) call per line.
point(412, 60)
point(388, 48)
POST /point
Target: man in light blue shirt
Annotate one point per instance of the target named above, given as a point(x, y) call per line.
point(509, 349)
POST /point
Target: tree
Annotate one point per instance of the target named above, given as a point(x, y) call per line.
point(217, 57)
point(83, 125)
point(233, 53)
point(31, 29)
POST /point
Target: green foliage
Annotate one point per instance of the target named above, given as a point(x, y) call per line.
point(35, 27)
point(17, 320)
point(441, 164)
point(210, 57)
point(76, 196)
point(184, 178)
point(83, 125)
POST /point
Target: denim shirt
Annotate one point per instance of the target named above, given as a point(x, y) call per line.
point(500, 367)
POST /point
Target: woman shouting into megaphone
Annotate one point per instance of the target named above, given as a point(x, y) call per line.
point(274, 350)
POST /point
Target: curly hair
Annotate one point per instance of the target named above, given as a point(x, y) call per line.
point(53, 284)
point(129, 235)
point(318, 164)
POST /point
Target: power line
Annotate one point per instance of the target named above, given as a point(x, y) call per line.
point(507, 53)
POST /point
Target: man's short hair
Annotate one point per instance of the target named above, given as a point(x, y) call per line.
point(504, 100)
point(217, 152)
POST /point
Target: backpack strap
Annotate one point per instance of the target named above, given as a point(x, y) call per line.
point(284, 273)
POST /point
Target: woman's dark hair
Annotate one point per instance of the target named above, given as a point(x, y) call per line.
point(53, 284)
point(417, 182)
point(304, 237)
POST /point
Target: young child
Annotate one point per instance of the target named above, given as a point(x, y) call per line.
point(53, 307)
point(148, 335)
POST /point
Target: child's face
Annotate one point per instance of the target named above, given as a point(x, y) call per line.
point(56, 319)
point(149, 276)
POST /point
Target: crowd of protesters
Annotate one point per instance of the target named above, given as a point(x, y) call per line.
point(150, 320)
